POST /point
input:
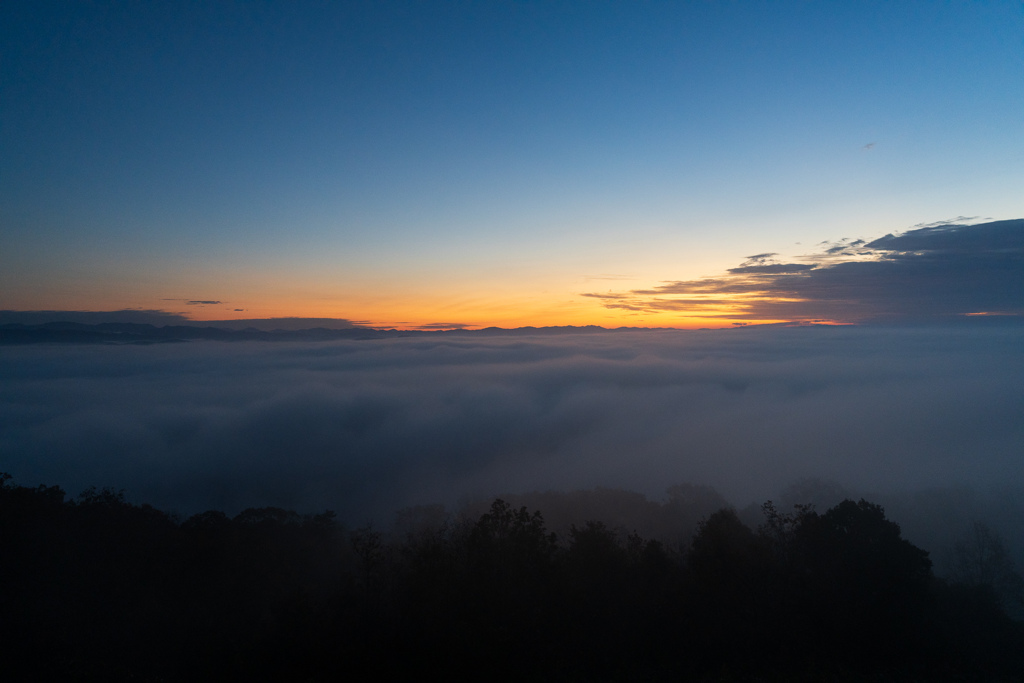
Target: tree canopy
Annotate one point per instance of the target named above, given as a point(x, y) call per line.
point(104, 589)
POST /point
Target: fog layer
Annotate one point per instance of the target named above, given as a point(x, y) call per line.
point(366, 427)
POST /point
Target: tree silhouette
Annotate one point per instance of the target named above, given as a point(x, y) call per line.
point(980, 559)
point(98, 588)
point(866, 587)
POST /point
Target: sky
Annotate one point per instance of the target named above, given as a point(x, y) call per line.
point(403, 164)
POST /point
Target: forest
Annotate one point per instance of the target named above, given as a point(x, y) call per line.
point(99, 588)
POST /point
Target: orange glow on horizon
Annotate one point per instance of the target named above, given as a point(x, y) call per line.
point(570, 311)
point(460, 301)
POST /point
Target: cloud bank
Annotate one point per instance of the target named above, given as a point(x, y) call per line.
point(938, 273)
point(365, 427)
point(128, 315)
point(161, 318)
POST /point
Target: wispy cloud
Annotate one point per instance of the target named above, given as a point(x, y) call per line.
point(195, 302)
point(443, 326)
point(959, 220)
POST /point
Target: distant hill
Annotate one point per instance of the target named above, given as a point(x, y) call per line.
point(65, 332)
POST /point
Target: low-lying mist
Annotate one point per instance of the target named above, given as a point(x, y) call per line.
point(369, 427)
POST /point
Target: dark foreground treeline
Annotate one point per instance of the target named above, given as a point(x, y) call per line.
point(97, 588)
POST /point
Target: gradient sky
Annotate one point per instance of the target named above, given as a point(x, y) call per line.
point(483, 163)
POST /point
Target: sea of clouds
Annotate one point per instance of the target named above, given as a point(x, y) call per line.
point(366, 427)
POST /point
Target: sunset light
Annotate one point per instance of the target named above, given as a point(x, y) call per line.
point(511, 340)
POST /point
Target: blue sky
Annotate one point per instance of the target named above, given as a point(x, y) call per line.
point(482, 163)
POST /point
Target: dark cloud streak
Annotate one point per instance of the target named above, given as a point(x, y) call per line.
point(936, 273)
point(164, 318)
point(772, 269)
point(128, 315)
